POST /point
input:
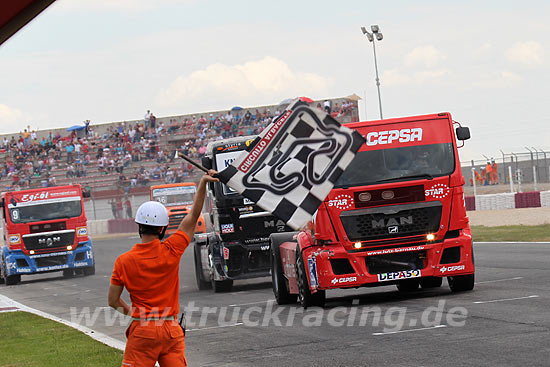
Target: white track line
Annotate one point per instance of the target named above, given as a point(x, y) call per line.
point(105, 339)
point(410, 330)
point(499, 280)
point(251, 303)
point(216, 327)
point(507, 299)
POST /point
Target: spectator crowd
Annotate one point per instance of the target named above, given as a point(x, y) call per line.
point(124, 149)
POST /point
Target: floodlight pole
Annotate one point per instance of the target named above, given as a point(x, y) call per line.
point(372, 37)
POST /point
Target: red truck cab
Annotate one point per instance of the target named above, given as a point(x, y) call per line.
point(395, 216)
point(44, 230)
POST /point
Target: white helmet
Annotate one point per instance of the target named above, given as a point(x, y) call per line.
point(152, 213)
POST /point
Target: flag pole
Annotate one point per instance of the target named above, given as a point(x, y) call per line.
point(186, 158)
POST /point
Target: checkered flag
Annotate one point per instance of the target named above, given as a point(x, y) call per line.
point(293, 164)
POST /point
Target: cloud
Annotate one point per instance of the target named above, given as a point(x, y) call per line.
point(528, 53)
point(247, 84)
point(498, 80)
point(395, 77)
point(424, 56)
point(10, 118)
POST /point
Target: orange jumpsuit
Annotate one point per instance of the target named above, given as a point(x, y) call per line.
point(150, 273)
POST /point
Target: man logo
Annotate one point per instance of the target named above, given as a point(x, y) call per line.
point(392, 222)
point(272, 224)
point(393, 229)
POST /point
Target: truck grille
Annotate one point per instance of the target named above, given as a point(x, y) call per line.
point(48, 240)
point(174, 220)
point(392, 221)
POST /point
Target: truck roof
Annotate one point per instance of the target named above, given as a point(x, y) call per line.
point(44, 189)
point(238, 139)
point(433, 116)
point(173, 185)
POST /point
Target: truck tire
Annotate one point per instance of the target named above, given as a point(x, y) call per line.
point(89, 270)
point(409, 285)
point(68, 273)
point(202, 284)
point(305, 297)
point(279, 282)
point(431, 282)
point(222, 285)
point(461, 283)
point(11, 279)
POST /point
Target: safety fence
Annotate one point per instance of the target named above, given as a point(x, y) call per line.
point(535, 199)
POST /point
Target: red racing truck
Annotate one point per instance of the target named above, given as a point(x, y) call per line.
point(44, 231)
point(395, 216)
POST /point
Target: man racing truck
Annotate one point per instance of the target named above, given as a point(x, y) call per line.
point(395, 216)
point(178, 200)
point(44, 231)
point(237, 246)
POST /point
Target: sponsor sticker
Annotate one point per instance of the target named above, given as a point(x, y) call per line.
point(82, 231)
point(312, 266)
point(228, 228)
point(437, 191)
point(343, 280)
point(225, 253)
point(14, 239)
point(399, 275)
point(391, 136)
point(342, 202)
point(452, 268)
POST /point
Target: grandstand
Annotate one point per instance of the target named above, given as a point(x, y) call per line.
point(128, 156)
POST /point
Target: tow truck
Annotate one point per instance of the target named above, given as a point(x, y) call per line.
point(44, 231)
point(395, 216)
point(237, 245)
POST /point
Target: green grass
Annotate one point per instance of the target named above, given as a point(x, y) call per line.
point(30, 340)
point(539, 233)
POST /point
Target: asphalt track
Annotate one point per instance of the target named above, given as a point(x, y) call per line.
point(507, 321)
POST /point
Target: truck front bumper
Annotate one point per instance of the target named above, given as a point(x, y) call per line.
point(333, 267)
point(17, 262)
point(235, 260)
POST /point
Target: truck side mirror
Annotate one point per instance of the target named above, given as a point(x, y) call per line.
point(462, 133)
point(207, 162)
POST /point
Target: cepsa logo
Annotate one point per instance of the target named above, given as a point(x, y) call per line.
point(391, 136)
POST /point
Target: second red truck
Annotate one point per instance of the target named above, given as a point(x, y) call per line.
point(396, 216)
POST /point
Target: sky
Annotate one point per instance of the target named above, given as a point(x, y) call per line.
point(486, 62)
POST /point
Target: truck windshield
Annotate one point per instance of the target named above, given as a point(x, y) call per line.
point(175, 196)
point(399, 164)
point(37, 212)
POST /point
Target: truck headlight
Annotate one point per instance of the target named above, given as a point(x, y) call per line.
point(430, 237)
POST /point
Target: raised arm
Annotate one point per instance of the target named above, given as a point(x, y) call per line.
point(188, 223)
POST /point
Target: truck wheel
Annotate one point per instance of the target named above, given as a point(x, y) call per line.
point(222, 285)
point(12, 279)
point(408, 285)
point(2, 281)
point(305, 297)
point(89, 270)
point(68, 273)
point(430, 282)
point(461, 283)
point(279, 282)
point(202, 284)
